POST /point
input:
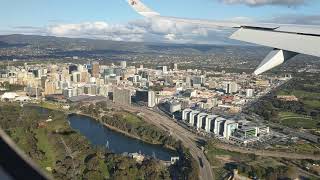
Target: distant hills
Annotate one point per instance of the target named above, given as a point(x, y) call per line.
point(61, 44)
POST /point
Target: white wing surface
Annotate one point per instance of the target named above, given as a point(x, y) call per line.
point(288, 40)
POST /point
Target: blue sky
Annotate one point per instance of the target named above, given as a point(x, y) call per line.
point(41, 15)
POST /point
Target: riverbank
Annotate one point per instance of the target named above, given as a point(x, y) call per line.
point(118, 130)
point(65, 153)
point(55, 107)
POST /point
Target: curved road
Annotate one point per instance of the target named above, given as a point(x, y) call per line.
point(186, 137)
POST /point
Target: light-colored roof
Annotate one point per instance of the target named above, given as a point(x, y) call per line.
point(9, 95)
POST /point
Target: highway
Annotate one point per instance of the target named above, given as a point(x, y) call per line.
point(187, 138)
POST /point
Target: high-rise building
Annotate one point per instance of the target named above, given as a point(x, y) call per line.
point(68, 92)
point(230, 87)
point(249, 93)
point(84, 76)
point(121, 96)
point(49, 87)
point(151, 99)
point(95, 69)
point(141, 95)
point(123, 64)
point(175, 67)
point(197, 81)
point(76, 76)
point(72, 68)
point(188, 82)
point(164, 69)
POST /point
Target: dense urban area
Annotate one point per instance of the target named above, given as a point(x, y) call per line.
point(199, 105)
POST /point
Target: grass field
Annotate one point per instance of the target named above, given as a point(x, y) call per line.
point(50, 105)
point(265, 162)
point(45, 146)
point(307, 98)
point(297, 121)
point(131, 118)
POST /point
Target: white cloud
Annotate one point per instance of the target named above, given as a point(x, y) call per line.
point(97, 30)
point(151, 31)
point(266, 2)
point(140, 30)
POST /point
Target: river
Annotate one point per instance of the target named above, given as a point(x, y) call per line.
point(99, 135)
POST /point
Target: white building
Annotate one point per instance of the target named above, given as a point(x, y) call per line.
point(219, 126)
point(201, 120)
point(164, 69)
point(210, 120)
point(229, 127)
point(123, 64)
point(231, 87)
point(9, 96)
point(193, 118)
point(151, 99)
point(186, 114)
point(249, 93)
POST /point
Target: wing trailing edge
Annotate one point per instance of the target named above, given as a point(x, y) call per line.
point(288, 40)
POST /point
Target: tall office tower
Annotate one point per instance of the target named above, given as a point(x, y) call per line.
point(121, 96)
point(141, 95)
point(72, 68)
point(151, 99)
point(76, 76)
point(123, 64)
point(230, 87)
point(249, 93)
point(84, 76)
point(188, 81)
point(49, 87)
point(95, 69)
point(175, 67)
point(164, 69)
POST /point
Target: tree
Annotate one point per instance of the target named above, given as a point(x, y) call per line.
point(292, 172)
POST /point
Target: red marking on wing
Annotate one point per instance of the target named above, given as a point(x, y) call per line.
point(133, 2)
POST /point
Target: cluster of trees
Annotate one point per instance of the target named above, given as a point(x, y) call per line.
point(119, 167)
point(125, 168)
point(268, 173)
point(269, 106)
point(69, 154)
point(11, 87)
point(145, 131)
point(186, 167)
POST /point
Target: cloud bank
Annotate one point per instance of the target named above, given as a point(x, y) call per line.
point(266, 2)
point(137, 31)
point(152, 31)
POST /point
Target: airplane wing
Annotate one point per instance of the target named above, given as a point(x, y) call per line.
point(288, 40)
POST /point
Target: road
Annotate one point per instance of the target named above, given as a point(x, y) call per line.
point(187, 138)
point(267, 153)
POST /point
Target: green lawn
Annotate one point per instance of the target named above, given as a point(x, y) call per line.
point(19, 135)
point(131, 118)
point(305, 97)
point(45, 146)
point(297, 121)
point(265, 162)
point(298, 93)
point(312, 103)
